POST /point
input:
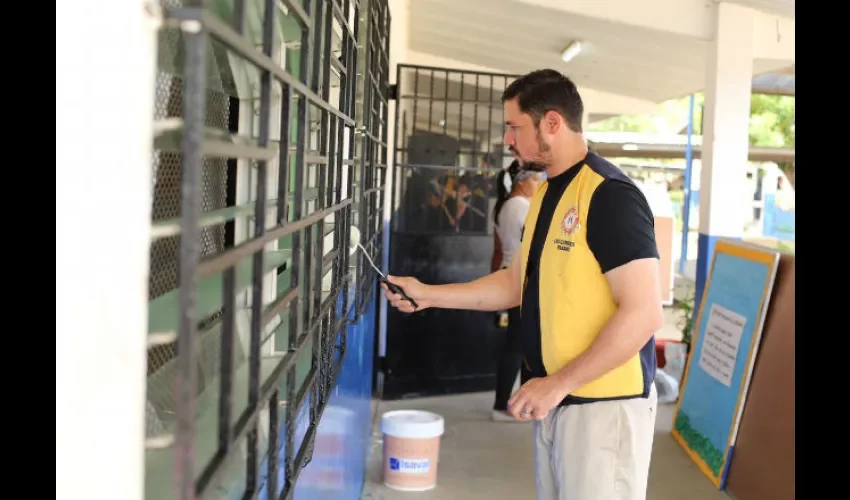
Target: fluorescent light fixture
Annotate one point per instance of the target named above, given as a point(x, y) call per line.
point(630, 147)
point(571, 51)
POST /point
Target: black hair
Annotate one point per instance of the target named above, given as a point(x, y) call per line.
point(545, 90)
point(502, 194)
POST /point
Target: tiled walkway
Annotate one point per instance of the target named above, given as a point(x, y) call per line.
point(484, 460)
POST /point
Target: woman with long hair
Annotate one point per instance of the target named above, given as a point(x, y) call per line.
point(503, 192)
point(510, 213)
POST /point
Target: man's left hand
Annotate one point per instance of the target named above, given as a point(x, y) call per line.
point(536, 398)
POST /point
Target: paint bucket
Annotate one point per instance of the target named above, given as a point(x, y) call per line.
point(411, 449)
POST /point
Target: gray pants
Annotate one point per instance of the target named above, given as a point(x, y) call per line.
point(595, 451)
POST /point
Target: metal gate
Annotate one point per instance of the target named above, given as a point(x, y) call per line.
point(448, 151)
point(270, 143)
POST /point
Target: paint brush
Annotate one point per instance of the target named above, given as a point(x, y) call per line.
point(354, 243)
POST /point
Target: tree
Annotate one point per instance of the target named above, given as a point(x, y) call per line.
point(772, 125)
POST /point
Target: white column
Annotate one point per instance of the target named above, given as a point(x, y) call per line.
point(104, 120)
point(399, 41)
point(725, 146)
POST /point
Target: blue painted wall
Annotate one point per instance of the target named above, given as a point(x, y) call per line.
point(338, 467)
point(777, 222)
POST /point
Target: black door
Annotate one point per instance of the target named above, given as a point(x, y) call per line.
point(448, 152)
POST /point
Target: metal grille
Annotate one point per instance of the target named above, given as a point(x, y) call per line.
point(226, 425)
point(166, 201)
point(448, 150)
point(166, 198)
point(372, 121)
point(168, 103)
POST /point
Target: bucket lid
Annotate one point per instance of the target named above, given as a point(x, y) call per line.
point(413, 424)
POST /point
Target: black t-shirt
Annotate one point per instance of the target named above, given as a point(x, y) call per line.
point(620, 229)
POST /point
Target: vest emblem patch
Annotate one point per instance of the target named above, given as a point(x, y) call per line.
point(570, 224)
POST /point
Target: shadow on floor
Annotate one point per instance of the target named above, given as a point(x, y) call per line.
point(484, 460)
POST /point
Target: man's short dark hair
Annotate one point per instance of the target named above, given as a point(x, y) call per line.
point(545, 90)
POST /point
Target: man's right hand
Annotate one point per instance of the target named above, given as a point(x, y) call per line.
point(414, 289)
point(494, 292)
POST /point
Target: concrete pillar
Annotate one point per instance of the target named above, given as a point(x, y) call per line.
point(104, 135)
point(725, 146)
point(399, 42)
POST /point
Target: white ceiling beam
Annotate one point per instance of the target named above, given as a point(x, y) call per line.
point(774, 32)
point(782, 7)
point(683, 17)
point(642, 83)
point(607, 103)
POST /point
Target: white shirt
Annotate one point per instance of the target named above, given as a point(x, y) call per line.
point(509, 228)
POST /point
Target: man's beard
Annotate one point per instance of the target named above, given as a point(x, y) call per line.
point(533, 165)
point(530, 165)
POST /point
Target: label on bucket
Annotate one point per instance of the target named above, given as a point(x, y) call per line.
point(417, 466)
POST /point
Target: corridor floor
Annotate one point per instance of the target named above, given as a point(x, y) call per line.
point(481, 459)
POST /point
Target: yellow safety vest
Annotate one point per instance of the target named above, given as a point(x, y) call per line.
point(575, 299)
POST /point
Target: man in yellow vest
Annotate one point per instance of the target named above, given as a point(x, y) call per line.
point(586, 278)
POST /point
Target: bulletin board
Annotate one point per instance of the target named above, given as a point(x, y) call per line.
point(725, 342)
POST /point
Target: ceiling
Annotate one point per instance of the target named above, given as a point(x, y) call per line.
point(781, 7)
point(515, 36)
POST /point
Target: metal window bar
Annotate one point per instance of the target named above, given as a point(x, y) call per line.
point(372, 128)
point(462, 128)
point(349, 195)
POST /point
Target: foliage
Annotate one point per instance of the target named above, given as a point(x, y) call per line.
point(685, 308)
point(772, 124)
point(699, 443)
point(772, 121)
